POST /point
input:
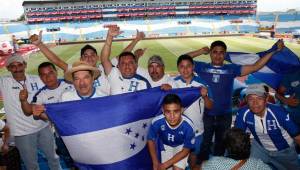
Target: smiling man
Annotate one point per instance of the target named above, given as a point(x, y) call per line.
point(29, 134)
point(273, 130)
point(220, 77)
point(123, 78)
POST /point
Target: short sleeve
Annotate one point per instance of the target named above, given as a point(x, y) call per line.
point(198, 66)
point(236, 69)
point(152, 134)
point(189, 141)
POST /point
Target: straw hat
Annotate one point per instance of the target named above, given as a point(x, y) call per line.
point(81, 66)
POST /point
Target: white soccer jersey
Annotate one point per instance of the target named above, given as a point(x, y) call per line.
point(46, 95)
point(120, 85)
point(166, 79)
point(140, 70)
point(18, 123)
point(101, 81)
point(72, 95)
point(196, 110)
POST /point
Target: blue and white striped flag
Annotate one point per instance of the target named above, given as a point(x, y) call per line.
point(282, 62)
point(111, 132)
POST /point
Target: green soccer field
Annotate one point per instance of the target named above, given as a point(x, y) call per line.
point(169, 49)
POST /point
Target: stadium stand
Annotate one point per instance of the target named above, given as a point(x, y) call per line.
point(82, 20)
point(62, 11)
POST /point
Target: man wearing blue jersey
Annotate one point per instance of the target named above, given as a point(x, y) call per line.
point(220, 78)
point(273, 130)
point(176, 133)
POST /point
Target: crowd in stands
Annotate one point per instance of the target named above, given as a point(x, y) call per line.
point(84, 11)
point(200, 136)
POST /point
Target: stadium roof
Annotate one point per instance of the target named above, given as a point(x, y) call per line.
point(54, 1)
point(28, 2)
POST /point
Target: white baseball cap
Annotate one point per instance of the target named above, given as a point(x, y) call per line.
point(257, 89)
point(14, 58)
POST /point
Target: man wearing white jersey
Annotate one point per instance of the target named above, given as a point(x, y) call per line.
point(185, 66)
point(123, 79)
point(156, 70)
point(155, 73)
point(88, 54)
point(50, 93)
point(29, 134)
point(82, 76)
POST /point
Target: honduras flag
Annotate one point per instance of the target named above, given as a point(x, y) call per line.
point(282, 62)
point(111, 132)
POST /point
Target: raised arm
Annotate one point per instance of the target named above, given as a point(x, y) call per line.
point(132, 44)
point(193, 54)
point(247, 69)
point(37, 40)
point(106, 49)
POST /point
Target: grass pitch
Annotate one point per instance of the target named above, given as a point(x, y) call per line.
point(169, 49)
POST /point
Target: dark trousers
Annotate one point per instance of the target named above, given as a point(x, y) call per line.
point(214, 125)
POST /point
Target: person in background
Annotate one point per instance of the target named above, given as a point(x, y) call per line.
point(238, 145)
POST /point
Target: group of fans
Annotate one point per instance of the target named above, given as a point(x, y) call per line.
point(187, 134)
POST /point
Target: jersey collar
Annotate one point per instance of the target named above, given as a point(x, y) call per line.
point(87, 97)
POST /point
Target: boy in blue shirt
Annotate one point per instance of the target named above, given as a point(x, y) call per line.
point(176, 133)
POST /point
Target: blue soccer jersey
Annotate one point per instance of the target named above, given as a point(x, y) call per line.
point(183, 134)
point(220, 79)
point(274, 131)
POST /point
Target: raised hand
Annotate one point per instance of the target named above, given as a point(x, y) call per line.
point(280, 45)
point(139, 35)
point(114, 31)
point(139, 52)
point(205, 50)
point(36, 39)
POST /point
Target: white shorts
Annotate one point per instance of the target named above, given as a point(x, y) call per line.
point(169, 152)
